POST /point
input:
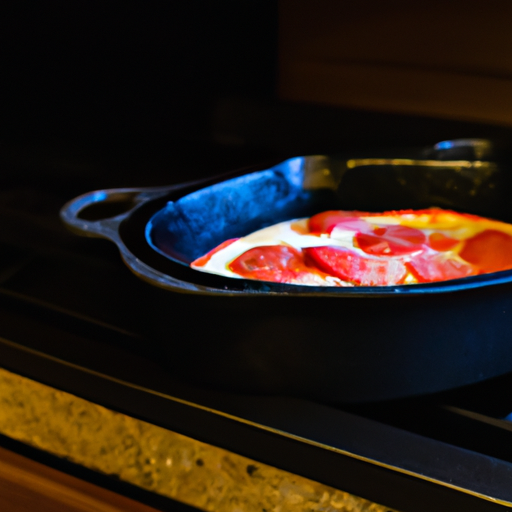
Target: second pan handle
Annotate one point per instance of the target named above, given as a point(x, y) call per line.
point(99, 213)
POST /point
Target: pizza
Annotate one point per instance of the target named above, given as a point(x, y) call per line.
point(353, 248)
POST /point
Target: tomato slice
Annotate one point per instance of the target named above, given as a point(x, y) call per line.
point(350, 266)
point(430, 267)
point(277, 263)
point(325, 222)
point(392, 240)
point(490, 250)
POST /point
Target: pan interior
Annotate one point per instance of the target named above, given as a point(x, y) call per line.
point(194, 224)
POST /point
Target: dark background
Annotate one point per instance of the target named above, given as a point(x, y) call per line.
point(127, 85)
point(149, 93)
point(133, 67)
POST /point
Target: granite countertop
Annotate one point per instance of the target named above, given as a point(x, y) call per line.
point(157, 459)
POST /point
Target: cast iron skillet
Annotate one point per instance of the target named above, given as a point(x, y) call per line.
point(335, 344)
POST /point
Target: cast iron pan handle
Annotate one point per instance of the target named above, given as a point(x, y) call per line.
point(99, 214)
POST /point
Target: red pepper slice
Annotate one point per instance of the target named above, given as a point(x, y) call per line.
point(350, 266)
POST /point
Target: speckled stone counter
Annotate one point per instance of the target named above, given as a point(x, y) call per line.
point(156, 459)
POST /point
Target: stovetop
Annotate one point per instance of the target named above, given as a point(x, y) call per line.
point(74, 317)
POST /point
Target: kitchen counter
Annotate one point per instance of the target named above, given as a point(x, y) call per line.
point(150, 457)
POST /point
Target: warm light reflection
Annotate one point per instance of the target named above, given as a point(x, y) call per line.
point(452, 164)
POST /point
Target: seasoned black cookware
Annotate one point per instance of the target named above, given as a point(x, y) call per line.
point(336, 344)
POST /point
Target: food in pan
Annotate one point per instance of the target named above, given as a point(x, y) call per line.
point(352, 248)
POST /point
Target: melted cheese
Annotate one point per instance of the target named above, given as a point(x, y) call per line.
point(443, 225)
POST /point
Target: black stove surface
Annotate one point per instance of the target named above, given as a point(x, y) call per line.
point(74, 317)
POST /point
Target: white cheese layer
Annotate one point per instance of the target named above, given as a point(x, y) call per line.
point(285, 233)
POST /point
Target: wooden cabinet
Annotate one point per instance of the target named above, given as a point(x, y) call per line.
point(440, 59)
point(26, 486)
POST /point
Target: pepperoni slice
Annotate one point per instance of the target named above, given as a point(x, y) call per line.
point(350, 266)
point(490, 250)
point(277, 263)
point(427, 268)
point(393, 240)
